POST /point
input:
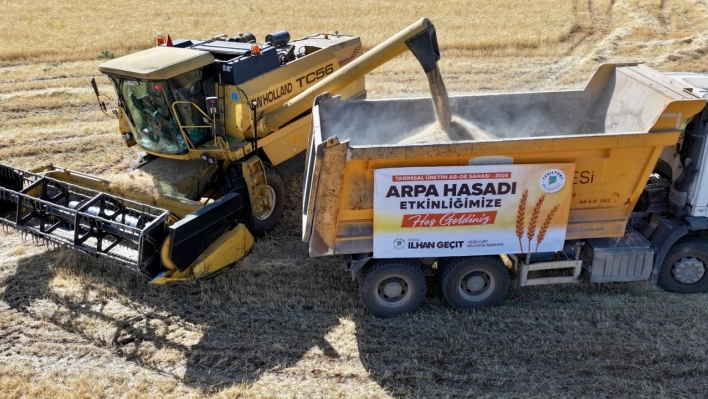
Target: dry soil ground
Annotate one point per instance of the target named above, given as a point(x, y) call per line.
point(281, 324)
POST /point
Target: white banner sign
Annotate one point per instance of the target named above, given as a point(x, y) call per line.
point(471, 210)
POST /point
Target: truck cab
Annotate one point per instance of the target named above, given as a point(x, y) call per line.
point(675, 202)
point(677, 158)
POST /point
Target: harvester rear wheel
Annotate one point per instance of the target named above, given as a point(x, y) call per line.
point(260, 226)
point(391, 287)
point(474, 282)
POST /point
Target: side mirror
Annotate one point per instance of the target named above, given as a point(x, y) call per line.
point(95, 87)
point(212, 104)
point(101, 104)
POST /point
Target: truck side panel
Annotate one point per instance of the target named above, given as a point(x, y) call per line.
point(614, 131)
point(610, 174)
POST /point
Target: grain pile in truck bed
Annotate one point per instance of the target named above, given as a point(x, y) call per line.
point(459, 130)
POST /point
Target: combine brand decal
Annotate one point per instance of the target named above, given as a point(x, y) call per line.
point(274, 95)
point(297, 84)
point(314, 76)
point(470, 210)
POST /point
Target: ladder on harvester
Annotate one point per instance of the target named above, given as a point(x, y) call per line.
point(262, 196)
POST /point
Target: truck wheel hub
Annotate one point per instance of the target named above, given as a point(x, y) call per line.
point(476, 286)
point(393, 289)
point(688, 270)
point(475, 283)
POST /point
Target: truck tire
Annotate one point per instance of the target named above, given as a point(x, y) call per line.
point(474, 282)
point(685, 268)
point(391, 287)
point(259, 227)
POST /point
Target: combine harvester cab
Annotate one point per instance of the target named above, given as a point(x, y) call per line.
point(595, 147)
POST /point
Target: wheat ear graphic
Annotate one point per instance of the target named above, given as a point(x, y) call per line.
point(520, 216)
point(534, 220)
point(546, 224)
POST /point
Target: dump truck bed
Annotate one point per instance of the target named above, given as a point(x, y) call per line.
point(613, 131)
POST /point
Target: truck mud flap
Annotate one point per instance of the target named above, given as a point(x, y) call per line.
point(124, 232)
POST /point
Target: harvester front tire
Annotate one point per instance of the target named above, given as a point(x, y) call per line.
point(474, 282)
point(392, 287)
point(259, 227)
point(685, 268)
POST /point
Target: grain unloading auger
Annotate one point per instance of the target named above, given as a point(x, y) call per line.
point(186, 237)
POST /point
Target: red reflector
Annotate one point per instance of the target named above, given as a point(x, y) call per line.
point(157, 87)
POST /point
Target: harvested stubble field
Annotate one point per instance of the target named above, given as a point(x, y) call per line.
point(281, 324)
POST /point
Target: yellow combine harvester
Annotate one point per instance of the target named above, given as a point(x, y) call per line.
point(223, 121)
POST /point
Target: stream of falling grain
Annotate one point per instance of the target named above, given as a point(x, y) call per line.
point(446, 128)
point(441, 101)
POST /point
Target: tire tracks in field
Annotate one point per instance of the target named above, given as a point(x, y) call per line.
point(693, 47)
point(44, 92)
point(622, 20)
point(64, 81)
point(561, 66)
point(699, 40)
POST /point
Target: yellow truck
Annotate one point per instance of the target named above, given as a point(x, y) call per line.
point(606, 179)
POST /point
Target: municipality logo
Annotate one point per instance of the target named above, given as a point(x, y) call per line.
point(552, 181)
point(399, 243)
